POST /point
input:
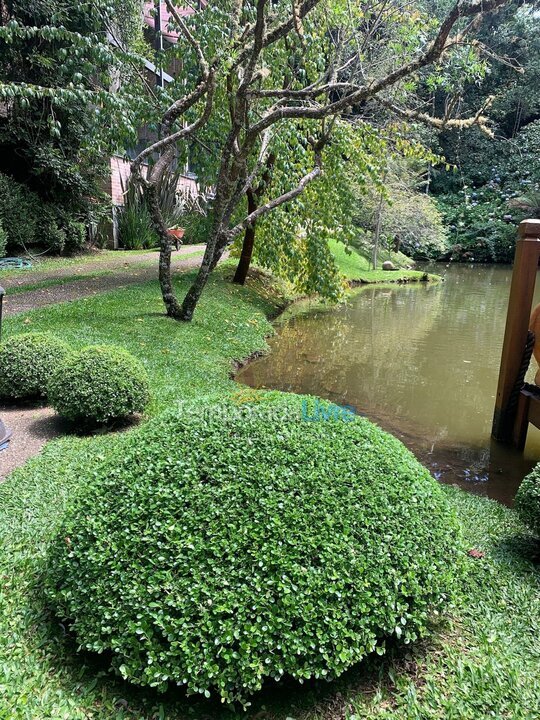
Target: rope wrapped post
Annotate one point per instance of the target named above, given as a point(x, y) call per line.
point(517, 327)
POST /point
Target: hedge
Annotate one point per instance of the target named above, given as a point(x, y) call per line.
point(527, 501)
point(27, 362)
point(228, 544)
point(99, 383)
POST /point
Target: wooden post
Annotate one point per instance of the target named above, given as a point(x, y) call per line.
point(517, 325)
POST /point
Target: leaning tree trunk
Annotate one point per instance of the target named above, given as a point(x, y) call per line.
point(248, 244)
point(172, 305)
point(212, 255)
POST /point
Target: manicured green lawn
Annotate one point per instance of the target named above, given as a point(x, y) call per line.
point(357, 267)
point(482, 663)
point(183, 359)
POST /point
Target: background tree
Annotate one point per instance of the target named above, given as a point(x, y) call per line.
point(477, 196)
point(59, 120)
point(408, 219)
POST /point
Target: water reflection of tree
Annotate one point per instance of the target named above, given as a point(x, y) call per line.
point(355, 354)
point(422, 357)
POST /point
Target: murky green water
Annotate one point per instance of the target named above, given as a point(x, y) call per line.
point(420, 360)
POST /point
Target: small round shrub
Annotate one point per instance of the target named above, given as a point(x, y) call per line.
point(98, 384)
point(227, 544)
point(27, 362)
point(527, 501)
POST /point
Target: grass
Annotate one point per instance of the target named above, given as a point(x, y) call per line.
point(481, 663)
point(46, 264)
point(357, 267)
point(24, 287)
point(231, 322)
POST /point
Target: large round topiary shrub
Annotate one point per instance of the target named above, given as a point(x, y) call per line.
point(98, 384)
point(27, 362)
point(226, 544)
point(528, 500)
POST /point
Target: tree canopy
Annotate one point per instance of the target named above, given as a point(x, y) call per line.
point(316, 64)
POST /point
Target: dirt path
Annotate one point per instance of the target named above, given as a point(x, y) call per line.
point(31, 428)
point(89, 263)
point(129, 273)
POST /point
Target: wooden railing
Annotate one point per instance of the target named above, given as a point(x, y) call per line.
point(515, 405)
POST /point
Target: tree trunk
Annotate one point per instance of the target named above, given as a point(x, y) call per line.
point(212, 255)
point(172, 305)
point(248, 244)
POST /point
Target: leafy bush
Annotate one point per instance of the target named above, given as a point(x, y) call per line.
point(29, 222)
point(481, 225)
point(198, 226)
point(528, 500)
point(497, 187)
point(26, 363)
point(225, 544)
point(99, 383)
point(135, 229)
point(19, 211)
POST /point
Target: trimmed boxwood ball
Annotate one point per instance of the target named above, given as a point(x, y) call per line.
point(527, 501)
point(98, 384)
point(27, 362)
point(227, 544)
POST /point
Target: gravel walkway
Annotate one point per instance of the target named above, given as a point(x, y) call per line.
point(32, 427)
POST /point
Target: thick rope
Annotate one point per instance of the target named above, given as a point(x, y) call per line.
point(520, 380)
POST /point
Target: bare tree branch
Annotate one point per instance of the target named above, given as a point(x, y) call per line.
point(478, 119)
point(281, 200)
point(434, 51)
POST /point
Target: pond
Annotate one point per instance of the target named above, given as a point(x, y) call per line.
point(422, 361)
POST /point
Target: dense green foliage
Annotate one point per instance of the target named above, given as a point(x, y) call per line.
point(528, 500)
point(31, 223)
point(482, 213)
point(59, 118)
point(293, 241)
point(480, 226)
point(407, 218)
point(3, 240)
point(27, 362)
point(227, 543)
point(135, 229)
point(478, 197)
point(99, 383)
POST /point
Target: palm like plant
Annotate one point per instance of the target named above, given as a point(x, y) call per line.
point(529, 203)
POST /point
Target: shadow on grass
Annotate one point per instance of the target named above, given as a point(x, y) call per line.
point(520, 550)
